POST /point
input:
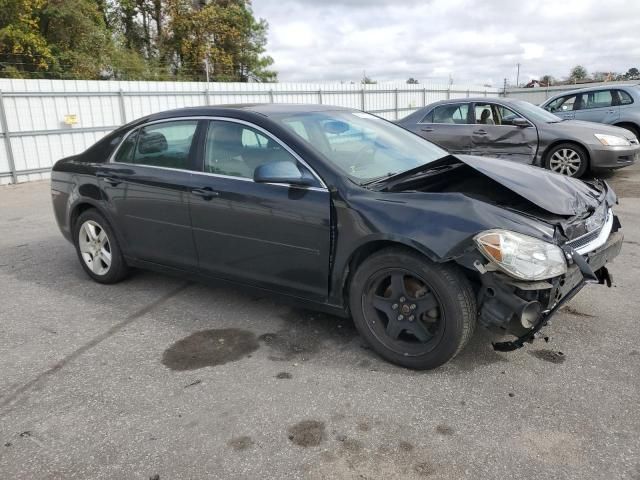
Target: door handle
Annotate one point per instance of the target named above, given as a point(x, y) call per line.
point(113, 181)
point(205, 193)
point(480, 132)
point(427, 129)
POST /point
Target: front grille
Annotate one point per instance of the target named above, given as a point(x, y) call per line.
point(584, 240)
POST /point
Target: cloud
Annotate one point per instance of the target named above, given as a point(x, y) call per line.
point(474, 41)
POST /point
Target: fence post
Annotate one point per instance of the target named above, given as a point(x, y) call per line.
point(449, 92)
point(362, 99)
point(123, 113)
point(270, 95)
point(467, 93)
point(395, 102)
point(207, 100)
point(7, 141)
point(424, 97)
point(320, 96)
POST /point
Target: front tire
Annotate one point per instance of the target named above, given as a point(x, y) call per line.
point(413, 312)
point(567, 159)
point(98, 249)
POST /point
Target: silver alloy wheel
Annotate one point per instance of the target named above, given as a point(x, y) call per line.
point(95, 247)
point(565, 161)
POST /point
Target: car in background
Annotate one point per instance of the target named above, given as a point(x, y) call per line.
point(519, 131)
point(617, 105)
point(342, 211)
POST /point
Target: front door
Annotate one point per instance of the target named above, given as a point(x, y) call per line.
point(147, 188)
point(494, 134)
point(271, 235)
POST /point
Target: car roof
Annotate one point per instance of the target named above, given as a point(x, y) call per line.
point(504, 100)
point(266, 109)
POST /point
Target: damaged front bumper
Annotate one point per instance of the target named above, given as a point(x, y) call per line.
point(524, 308)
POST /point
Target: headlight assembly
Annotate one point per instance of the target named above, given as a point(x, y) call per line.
point(612, 140)
point(521, 256)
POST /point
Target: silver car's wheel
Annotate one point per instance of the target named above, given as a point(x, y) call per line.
point(95, 247)
point(566, 161)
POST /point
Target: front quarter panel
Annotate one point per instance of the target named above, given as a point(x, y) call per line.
point(439, 225)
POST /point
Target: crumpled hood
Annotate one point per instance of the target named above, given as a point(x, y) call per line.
point(553, 192)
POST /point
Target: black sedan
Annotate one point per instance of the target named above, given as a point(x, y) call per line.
point(345, 212)
point(519, 131)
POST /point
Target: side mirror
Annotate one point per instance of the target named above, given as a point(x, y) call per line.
point(520, 122)
point(280, 172)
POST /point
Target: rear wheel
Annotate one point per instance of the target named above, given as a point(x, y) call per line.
point(567, 159)
point(98, 249)
point(413, 312)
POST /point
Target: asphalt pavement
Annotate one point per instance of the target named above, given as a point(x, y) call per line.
point(161, 378)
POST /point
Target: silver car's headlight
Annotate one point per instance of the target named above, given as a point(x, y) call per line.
point(612, 140)
point(521, 256)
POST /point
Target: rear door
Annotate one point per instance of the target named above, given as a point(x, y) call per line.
point(448, 126)
point(495, 135)
point(601, 106)
point(147, 187)
point(271, 235)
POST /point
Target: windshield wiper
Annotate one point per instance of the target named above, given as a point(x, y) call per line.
point(378, 179)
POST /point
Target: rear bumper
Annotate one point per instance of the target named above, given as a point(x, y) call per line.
point(614, 157)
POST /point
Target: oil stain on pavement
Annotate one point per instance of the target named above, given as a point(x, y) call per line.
point(549, 356)
point(209, 348)
point(307, 433)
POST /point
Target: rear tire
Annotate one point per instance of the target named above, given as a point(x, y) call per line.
point(98, 249)
point(413, 312)
point(567, 159)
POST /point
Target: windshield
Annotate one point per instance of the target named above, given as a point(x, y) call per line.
point(361, 145)
point(537, 114)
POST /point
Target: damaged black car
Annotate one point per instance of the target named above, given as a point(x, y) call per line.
point(344, 212)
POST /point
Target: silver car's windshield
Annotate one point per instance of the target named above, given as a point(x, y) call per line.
point(537, 114)
point(363, 146)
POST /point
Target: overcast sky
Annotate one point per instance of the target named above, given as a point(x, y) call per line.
point(475, 41)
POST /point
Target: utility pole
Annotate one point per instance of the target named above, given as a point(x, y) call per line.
point(518, 76)
point(206, 66)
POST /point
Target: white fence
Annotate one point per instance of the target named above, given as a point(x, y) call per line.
point(537, 95)
point(32, 112)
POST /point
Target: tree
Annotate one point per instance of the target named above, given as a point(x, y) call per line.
point(134, 39)
point(367, 80)
point(547, 80)
point(412, 81)
point(578, 73)
point(632, 74)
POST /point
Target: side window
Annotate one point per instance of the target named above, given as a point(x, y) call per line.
point(484, 114)
point(165, 144)
point(505, 115)
point(563, 104)
point(236, 150)
point(127, 148)
point(599, 99)
point(625, 98)
point(428, 117)
point(457, 114)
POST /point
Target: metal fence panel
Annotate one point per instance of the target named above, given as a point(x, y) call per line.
point(32, 112)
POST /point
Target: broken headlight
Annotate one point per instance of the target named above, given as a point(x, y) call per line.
point(521, 256)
